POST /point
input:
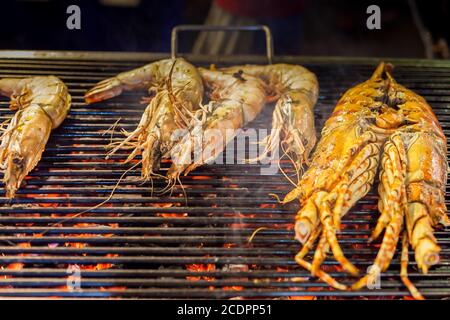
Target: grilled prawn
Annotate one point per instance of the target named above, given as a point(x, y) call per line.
point(236, 99)
point(176, 91)
point(376, 117)
point(296, 89)
point(42, 103)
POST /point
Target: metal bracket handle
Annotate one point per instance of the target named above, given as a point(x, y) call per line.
point(266, 29)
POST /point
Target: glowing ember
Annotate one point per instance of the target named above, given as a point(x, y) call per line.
point(103, 266)
point(200, 268)
point(234, 288)
point(19, 265)
point(113, 288)
point(168, 215)
point(201, 178)
point(302, 298)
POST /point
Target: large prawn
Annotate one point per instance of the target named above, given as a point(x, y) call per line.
point(295, 89)
point(236, 99)
point(176, 91)
point(42, 103)
point(376, 115)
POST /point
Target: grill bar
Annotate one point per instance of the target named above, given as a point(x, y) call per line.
point(203, 245)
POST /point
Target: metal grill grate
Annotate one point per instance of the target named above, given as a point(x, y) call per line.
point(144, 245)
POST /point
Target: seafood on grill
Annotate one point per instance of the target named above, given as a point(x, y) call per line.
point(42, 104)
point(236, 99)
point(176, 91)
point(238, 96)
point(295, 89)
point(375, 122)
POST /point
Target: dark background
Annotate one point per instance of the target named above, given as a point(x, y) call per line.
point(316, 28)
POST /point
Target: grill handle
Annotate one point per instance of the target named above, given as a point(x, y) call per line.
point(194, 27)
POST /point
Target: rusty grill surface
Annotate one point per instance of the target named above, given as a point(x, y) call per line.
point(143, 245)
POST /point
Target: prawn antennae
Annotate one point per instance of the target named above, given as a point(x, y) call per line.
point(298, 169)
point(283, 172)
point(111, 129)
